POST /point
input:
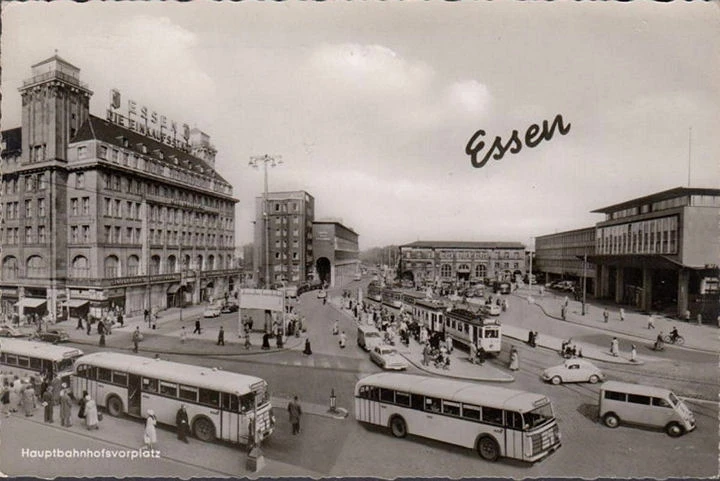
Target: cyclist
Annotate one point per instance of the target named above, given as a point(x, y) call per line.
point(674, 334)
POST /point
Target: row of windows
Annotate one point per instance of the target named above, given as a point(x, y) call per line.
point(207, 397)
point(637, 399)
point(10, 235)
point(654, 236)
point(113, 268)
point(32, 182)
point(35, 266)
point(12, 209)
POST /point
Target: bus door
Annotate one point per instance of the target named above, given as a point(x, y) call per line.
point(228, 419)
point(513, 435)
point(134, 395)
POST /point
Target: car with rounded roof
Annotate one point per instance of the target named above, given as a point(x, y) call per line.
point(387, 357)
point(573, 370)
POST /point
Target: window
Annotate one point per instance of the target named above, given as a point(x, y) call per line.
point(104, 374)
point(432, 404)
point(86, 205)
point(82, 152)
point(80, 180)
point(74, 206)
point(402, 398)
point(209, 397)
point(41, 207)
point(86, 233)
point(230, 402)
point(513, 420)
point(188, 393)
point(168, 388)
point(615, 396)
point(370, 392)
point(41, 234)
point(451, 408)
point(103, 152)
point(387, 395)
point(492, 416)
point(149, 385)
point(119, 378)
point(35, 364)
point(28, 209)
point(73, 234)
point(28, 235)
point(23, 361)
point(638, 399)
point(660, 402)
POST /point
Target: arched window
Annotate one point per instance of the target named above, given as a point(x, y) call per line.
point(199, 262)
point(80, 267)
point(445, 270)
point(211, 262)
point(229, 264)
point(480, 271)
point(9, 268)
point(463, 268)
point(171, 264)
point(133, 265)
point(154, 265)
point(36, 267)
point(186, 262)
point(112, 267)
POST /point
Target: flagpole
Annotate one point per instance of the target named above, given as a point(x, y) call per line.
point(689, 154)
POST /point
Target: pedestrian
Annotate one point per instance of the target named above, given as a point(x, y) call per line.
point(48, 405)
point(181, 421)
point(335, 329)
point(295, 412)
point(247, 339)
point(343, 340)
point(473, 353)
point(65, 407)
point(614, 348)
point(120, 319)
point(91, 413)
point(136, 338)
point(481, 355)
point(651, 322)
point(562, 311)
point(28, 399)
point(266, 342)
point(82, 403)
point(221, 337)
point(622, 314)
point(102, 340)
point(146, 316)
point(426, 355)
point(150, 434)
point(197, 328)
point(89, 326)
point(606, 314)
point(79, 324)
point(307, 351)
point(449, 344)
point(183, 335)
point(633, 353)
point(514, 359)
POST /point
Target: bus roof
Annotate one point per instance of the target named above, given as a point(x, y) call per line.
point(458, 391)
point(632, 388)
point(38, 349)
point(197, 376)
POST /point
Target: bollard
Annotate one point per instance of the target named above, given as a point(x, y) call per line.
point(333, 401)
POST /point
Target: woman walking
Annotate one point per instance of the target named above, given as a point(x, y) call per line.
point(82, 402)
point(91, 413)
point(28, 399)
point(514, 359)
point(150, 435)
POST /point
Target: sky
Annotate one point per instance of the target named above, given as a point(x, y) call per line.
point(371, 105)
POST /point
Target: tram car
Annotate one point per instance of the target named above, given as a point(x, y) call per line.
point(465, 327)
point(374, 292)
point(410, 298)
point(392, 298)
point(430, 313)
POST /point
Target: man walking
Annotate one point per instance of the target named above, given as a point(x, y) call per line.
point(295, 413)
point(221, 337)
point(49, 405)
point(136, 338)
point(181, 421)
point(197, 327)
point(606, 315)
point(65, 407)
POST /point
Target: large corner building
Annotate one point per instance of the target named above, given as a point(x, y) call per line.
point(107, 212)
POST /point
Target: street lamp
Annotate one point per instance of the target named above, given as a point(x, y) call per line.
point(255, 161)
point(584, 284)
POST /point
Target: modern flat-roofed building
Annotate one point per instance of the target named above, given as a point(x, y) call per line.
point(336, 251)
point(437, 262)
point(108, 212)
point(560, 256)
point(661, 252)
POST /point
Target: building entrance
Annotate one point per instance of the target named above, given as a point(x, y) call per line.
point(323, 268)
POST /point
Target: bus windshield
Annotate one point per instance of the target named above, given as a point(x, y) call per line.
point(64, 365)
point(538, 416)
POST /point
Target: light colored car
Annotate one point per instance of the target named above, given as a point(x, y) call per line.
point(491, 309)
point(322, 294)
point(388, 358)
point(573, 370)
point(10, 331)
point(212, 311)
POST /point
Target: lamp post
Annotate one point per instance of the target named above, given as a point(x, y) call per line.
point(584, 284)
point(255, 161)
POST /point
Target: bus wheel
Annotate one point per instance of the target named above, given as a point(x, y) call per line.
point(398, 427)
point(674, 430)
point(611, 420)
point(204, 429)
point(488, 449)
point(114, 406)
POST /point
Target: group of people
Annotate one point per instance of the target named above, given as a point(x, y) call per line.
point(568, 349)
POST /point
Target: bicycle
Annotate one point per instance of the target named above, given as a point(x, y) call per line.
point(669, 339)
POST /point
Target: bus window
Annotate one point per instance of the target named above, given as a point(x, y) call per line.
point(119, 378)
point(402, 399)
point(453, 409)
point(387, 395)
point(660, 402)
point(492, 416)
point(36, 364)
point(416, 402)
point(230, 402)
point(370, 392)
point(638, 399)
point(209, 397)
point(23, 361)
point(615, 396)
point(188, 393)
point(513, 420)
point(2, 357)
point(11, 360)
point(104, 374)
point(63, 365)
point(47, 365)
point(471, 412)
point(246, 402)
point(91, 372)
point(432, 404)
point(168, 388)
point(149, 385)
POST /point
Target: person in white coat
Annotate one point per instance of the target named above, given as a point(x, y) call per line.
point(614, 347)
point(150, 435)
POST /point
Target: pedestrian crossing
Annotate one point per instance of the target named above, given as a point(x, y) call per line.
point(328, 362)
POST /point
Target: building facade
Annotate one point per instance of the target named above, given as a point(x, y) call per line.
point(102, 213)
point(288, 226)
point(661, 252)
point(442, 262)
point(337, 252)
point(560, 256)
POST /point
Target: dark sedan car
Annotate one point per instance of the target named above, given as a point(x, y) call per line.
point(53, 335)
point(229, 308)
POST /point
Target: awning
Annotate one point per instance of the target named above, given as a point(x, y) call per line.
point(173, 288)
point(638, 261)
point(30, 302)
point(76, 302)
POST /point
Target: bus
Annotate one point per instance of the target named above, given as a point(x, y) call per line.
point(468, 327)
point(495, 421)
point(220, 404)
point(33, 358)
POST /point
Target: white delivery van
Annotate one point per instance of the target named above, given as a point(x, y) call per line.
point(622, 402)
point(368, 337)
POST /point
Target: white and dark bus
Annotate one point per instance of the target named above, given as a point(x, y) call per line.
point(495, 421)
point(219, 403)
point(34, 358)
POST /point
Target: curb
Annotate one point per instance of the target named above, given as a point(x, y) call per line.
point(462, 378)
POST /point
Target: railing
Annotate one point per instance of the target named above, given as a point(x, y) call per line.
point(54, 74)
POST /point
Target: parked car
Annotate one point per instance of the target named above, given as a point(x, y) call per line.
point(573, 370)
point(229, 307)
point(53, 335)
point(322, 294)
point(490, 309)
point(212, 311)
point(10, 331)
point(388, 358)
